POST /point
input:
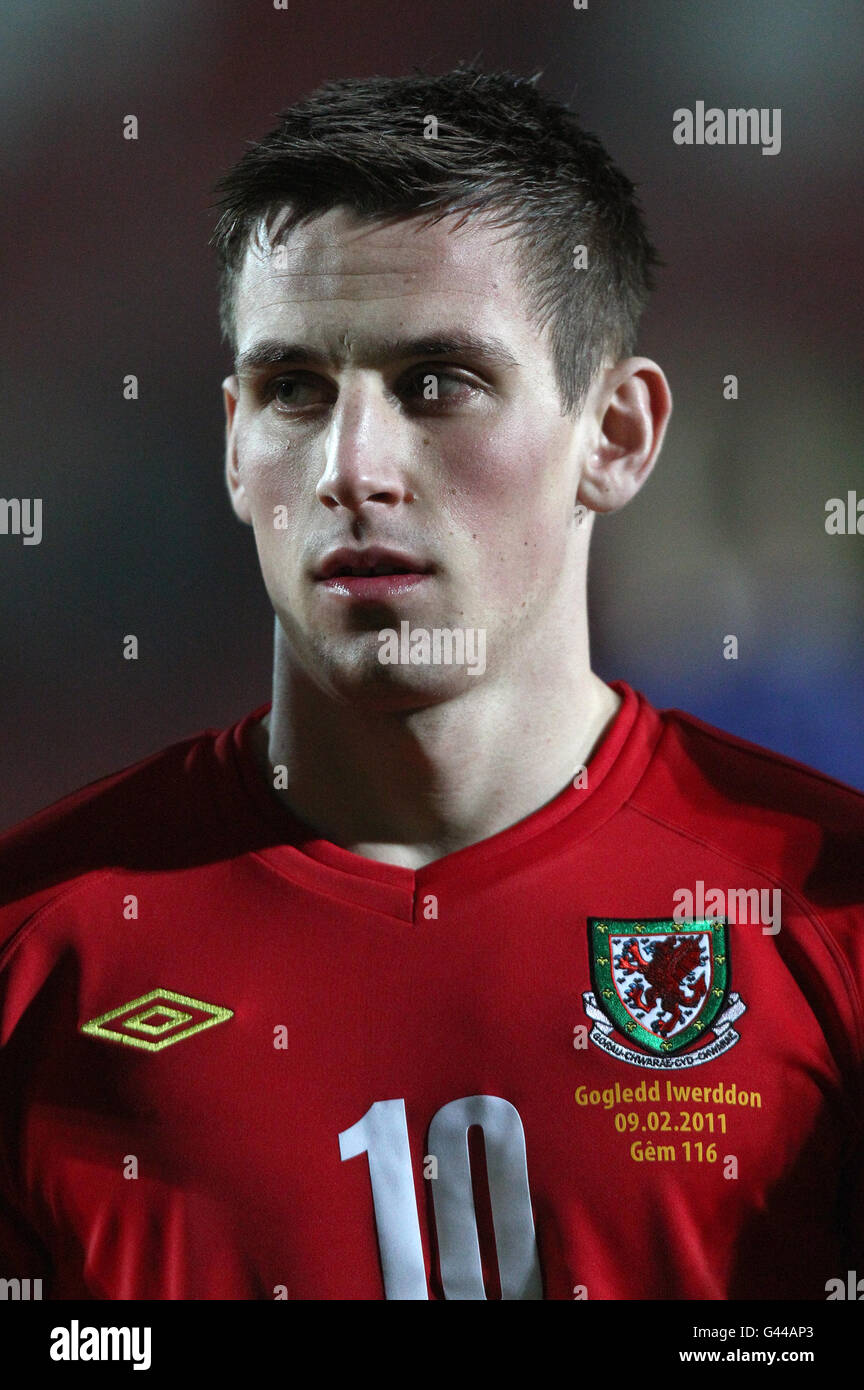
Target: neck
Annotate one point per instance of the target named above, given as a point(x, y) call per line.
point(409, 786)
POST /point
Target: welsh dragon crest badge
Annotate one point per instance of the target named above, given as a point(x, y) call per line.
point(663, 985)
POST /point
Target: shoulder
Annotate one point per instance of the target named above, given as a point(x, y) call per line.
point(758, 806)
point(135, 818)
point(756, 819)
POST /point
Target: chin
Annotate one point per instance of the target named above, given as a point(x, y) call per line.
point(371, 685)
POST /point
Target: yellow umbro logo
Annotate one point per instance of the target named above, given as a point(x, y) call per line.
point(156, 1020)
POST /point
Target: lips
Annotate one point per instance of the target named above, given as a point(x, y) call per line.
point(371, 563)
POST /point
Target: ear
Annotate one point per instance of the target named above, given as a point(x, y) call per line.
point(236, 490)
point(631, 407)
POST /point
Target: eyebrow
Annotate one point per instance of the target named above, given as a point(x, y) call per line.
point(272, 352)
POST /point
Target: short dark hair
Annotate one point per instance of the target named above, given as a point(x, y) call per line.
point(501, 146)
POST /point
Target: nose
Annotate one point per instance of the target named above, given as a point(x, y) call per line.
point(366, 451)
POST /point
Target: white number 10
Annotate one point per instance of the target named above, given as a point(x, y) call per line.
point(382, 1134)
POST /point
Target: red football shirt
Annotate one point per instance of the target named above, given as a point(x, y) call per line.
point(240, 1062)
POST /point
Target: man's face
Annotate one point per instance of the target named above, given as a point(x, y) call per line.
point(336, 438)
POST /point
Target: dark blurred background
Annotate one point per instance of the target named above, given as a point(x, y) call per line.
point(107, 272)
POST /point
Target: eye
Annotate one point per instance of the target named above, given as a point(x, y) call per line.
point(433, 387)
point(298, 391)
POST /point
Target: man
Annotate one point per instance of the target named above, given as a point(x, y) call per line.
point(453, 972)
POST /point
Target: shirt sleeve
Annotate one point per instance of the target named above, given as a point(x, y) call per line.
point(852, 1213)
point(22, 1255)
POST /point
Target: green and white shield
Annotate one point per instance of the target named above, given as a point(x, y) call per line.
point(660, 982)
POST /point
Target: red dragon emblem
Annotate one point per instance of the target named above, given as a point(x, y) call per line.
point(673, 959)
